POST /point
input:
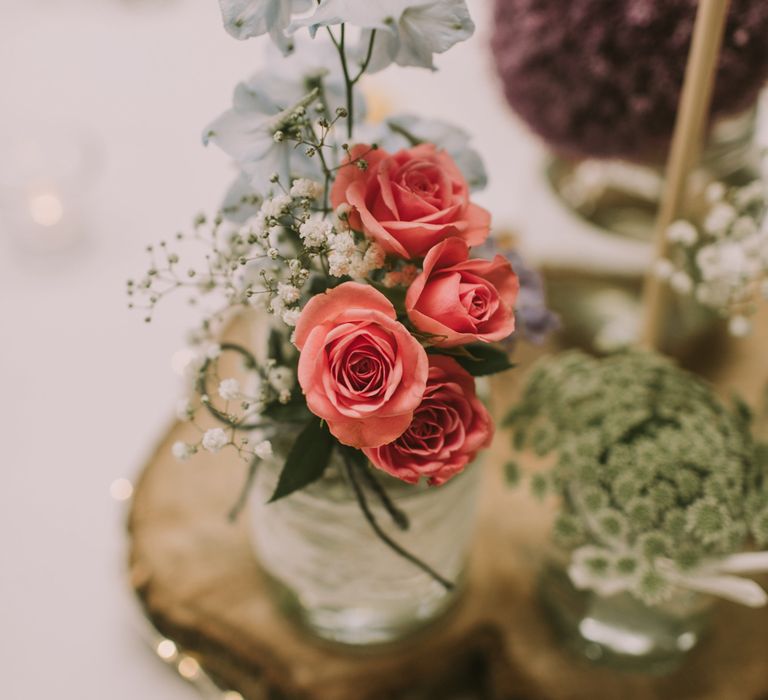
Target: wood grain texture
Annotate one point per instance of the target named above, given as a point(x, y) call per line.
point(200, 584)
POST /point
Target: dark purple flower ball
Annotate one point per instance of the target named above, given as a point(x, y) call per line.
point(602, 77)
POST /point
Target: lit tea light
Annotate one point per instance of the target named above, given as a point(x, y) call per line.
point(188, 668)
point(167, 650)
point(46, 208)
point(45, 177)
point(121, 489)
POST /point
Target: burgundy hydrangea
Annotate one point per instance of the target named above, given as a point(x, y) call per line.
point(603, 77)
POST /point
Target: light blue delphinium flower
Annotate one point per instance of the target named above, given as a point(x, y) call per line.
point(261, 106)
point(408, 32)
point(245, 19)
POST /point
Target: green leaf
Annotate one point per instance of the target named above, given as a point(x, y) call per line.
point(307, 460)
point(396, 295)
point(295, 411)
point(481, 359)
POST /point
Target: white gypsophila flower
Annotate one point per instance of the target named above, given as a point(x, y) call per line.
point(682, 232)
point(715, 192)
point(405, 276)
point(288, 293)
point(744, 227)
point(358, 268)
point(291, 317)
point(719, 218)
point(211, 350)
point(315, 232)
point(663, 268)
point(276, 305)
point(280, 378)
point(708, 261)
point(408, 32)
point(214, 439)
point(245, 19)
point(263, 449)
point(184, 410)
point(342, 242)
point(681, 282)
point(341, 217)
point(739, 326)
point(338, 264)
point(375, 257)
point(304, 187)
point(229, 389)
point(753, 193)
point(181, 450)
point(276, 206)
point(732, 260)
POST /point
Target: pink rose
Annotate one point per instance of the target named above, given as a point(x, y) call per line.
point(409, 201)
point(448, 429)
point(459, 300)
point(360, 369)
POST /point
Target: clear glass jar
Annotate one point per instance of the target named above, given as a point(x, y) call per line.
point(619, 630)
point(336, 577)
point(611, 206)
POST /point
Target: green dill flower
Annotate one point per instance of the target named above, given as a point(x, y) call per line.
point(568, 531)
point(626, 565)
point(610, 524)
point(642, 513)
point(706, 520)
point(654, 544)
point(594, 498)
point(651, 587)
point(663, 495)
point(674, 524)
point(648, 460)
point(760, 527)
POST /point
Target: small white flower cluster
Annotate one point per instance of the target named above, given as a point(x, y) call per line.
point(723, 261)
point(216, 439)
point(346, 255)
point(402, 276)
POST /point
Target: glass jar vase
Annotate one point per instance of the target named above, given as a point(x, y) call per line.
point(330, 571)
point(620, 630)
point(608, 210)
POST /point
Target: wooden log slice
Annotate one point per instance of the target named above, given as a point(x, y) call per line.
point(200, 584)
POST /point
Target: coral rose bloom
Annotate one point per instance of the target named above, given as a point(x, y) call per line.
point(448, 429)
point(461, 301)
point(360, 369)
point(409, 201)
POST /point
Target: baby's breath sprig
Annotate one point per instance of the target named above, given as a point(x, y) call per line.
point(722, 258)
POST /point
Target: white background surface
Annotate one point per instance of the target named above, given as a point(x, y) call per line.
point(86, 386)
